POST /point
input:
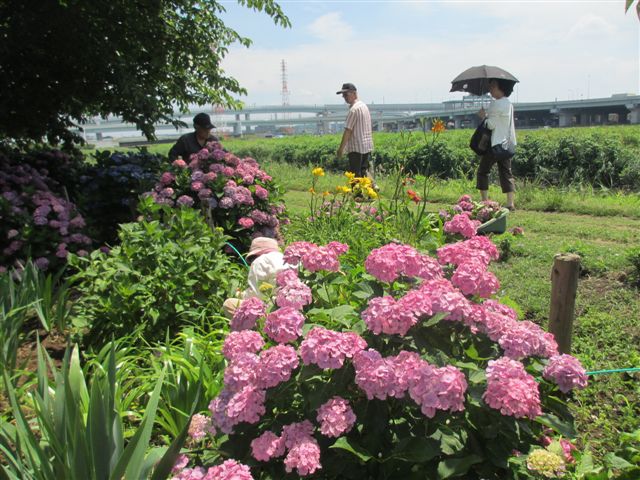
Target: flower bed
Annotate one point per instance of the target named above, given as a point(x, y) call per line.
point(408, 367)
point(234, 193)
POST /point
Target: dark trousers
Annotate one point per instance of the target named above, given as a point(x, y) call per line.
point(504, 171)
point(359, 163)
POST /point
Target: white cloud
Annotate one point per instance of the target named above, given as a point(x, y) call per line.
point(592, 26)
point(330, 27)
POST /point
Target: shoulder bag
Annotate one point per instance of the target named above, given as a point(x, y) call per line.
point(481, 139)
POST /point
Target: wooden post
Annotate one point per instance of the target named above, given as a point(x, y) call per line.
point(564, 285)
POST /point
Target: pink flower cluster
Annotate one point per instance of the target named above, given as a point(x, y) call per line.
point(246, 315)
point(430, 387)
point(478, 247)
point(526, 339)
point(229, 470)
point(242, 342)
point(36, 220)
point(315, 258)
point(231, 187)
point(566, 371)
point(473, 278)
point(328, 348)
point(390, 261)
point(284, 325)
point(297, 438)
point(511, 389)
point(335, 417)
point(462, 224)
point(385, 315)
point(200, 426)
point(292, 292)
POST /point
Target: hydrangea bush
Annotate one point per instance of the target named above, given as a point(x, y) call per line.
point(36, 219)
point(466, 216)
point(234, 193)
point(407, 368)
point(109, 190)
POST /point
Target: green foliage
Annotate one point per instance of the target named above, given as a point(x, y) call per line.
point(136, 61)
point(633, 258)
point(166, 272)
point(78, 431)
point(24, 295)
point(599, 156)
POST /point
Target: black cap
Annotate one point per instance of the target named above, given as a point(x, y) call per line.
point(347, 87)
point(203, 120)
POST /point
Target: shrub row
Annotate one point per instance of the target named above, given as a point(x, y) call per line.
point(599, 156)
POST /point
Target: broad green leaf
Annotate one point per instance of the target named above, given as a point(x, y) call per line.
point(564, 428)
point(453, 467)
point(617, 462)
point(343, 443)
point(416, 449)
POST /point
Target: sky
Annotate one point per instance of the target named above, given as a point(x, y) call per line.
point(398, 51)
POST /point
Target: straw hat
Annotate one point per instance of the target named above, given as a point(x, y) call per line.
point(262, 245)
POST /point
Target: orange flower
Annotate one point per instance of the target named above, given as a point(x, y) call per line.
point(414, 196)
point(437, 126)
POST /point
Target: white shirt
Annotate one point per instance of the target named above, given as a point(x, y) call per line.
point(264, 270)
point(500, 122)
point(359, 122)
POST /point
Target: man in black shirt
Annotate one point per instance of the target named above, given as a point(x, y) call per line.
point(193, 142)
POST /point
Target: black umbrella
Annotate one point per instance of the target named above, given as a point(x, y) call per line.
point(475, 80)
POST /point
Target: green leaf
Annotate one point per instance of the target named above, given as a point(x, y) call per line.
point(564, 428)
point(343, 443)
point(435, 319)
point(617, 462)
point(416, 449)
point(452, 467)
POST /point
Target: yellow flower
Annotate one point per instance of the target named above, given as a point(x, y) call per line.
point(318, 172)
point(265, 287)
point(349, 175)
point(342, 189)
point(325, 193)
point(545, 463)
point(312, 190)
point(371, 192)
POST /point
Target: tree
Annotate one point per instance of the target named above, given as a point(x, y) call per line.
point(64, 60)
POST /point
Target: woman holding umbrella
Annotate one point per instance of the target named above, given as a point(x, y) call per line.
point(499, 119)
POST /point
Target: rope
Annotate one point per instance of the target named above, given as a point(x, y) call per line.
point(615, 370)
point(239, 254)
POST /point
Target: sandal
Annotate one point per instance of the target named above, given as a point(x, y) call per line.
point(511, 208)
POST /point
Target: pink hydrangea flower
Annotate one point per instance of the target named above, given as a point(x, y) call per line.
point(245, 222)
point(200, 426)
point(286, 277)
point(241, 342)
point(473, 278)
point(295, 295)
point(241, 371)
point(335, 417)
point(185, 200)
point(229, 470)
point(511, 389)
point(328, 348)
point(375, 375)
point(247, 313)
point(303, 457)
point(297, 432)
point(526, 339)
point(181, 462)
point(438, 389)
point(267, 446)
point(462, 224)
point(566, 371)
point(284, 325)
point(179, 163)
point(261, 193)
point(167, 178)
point(276, 365)
point(385, 315)
point(294, 252)
point(390, 261)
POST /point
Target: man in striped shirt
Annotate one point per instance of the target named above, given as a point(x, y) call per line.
point(357, 140)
